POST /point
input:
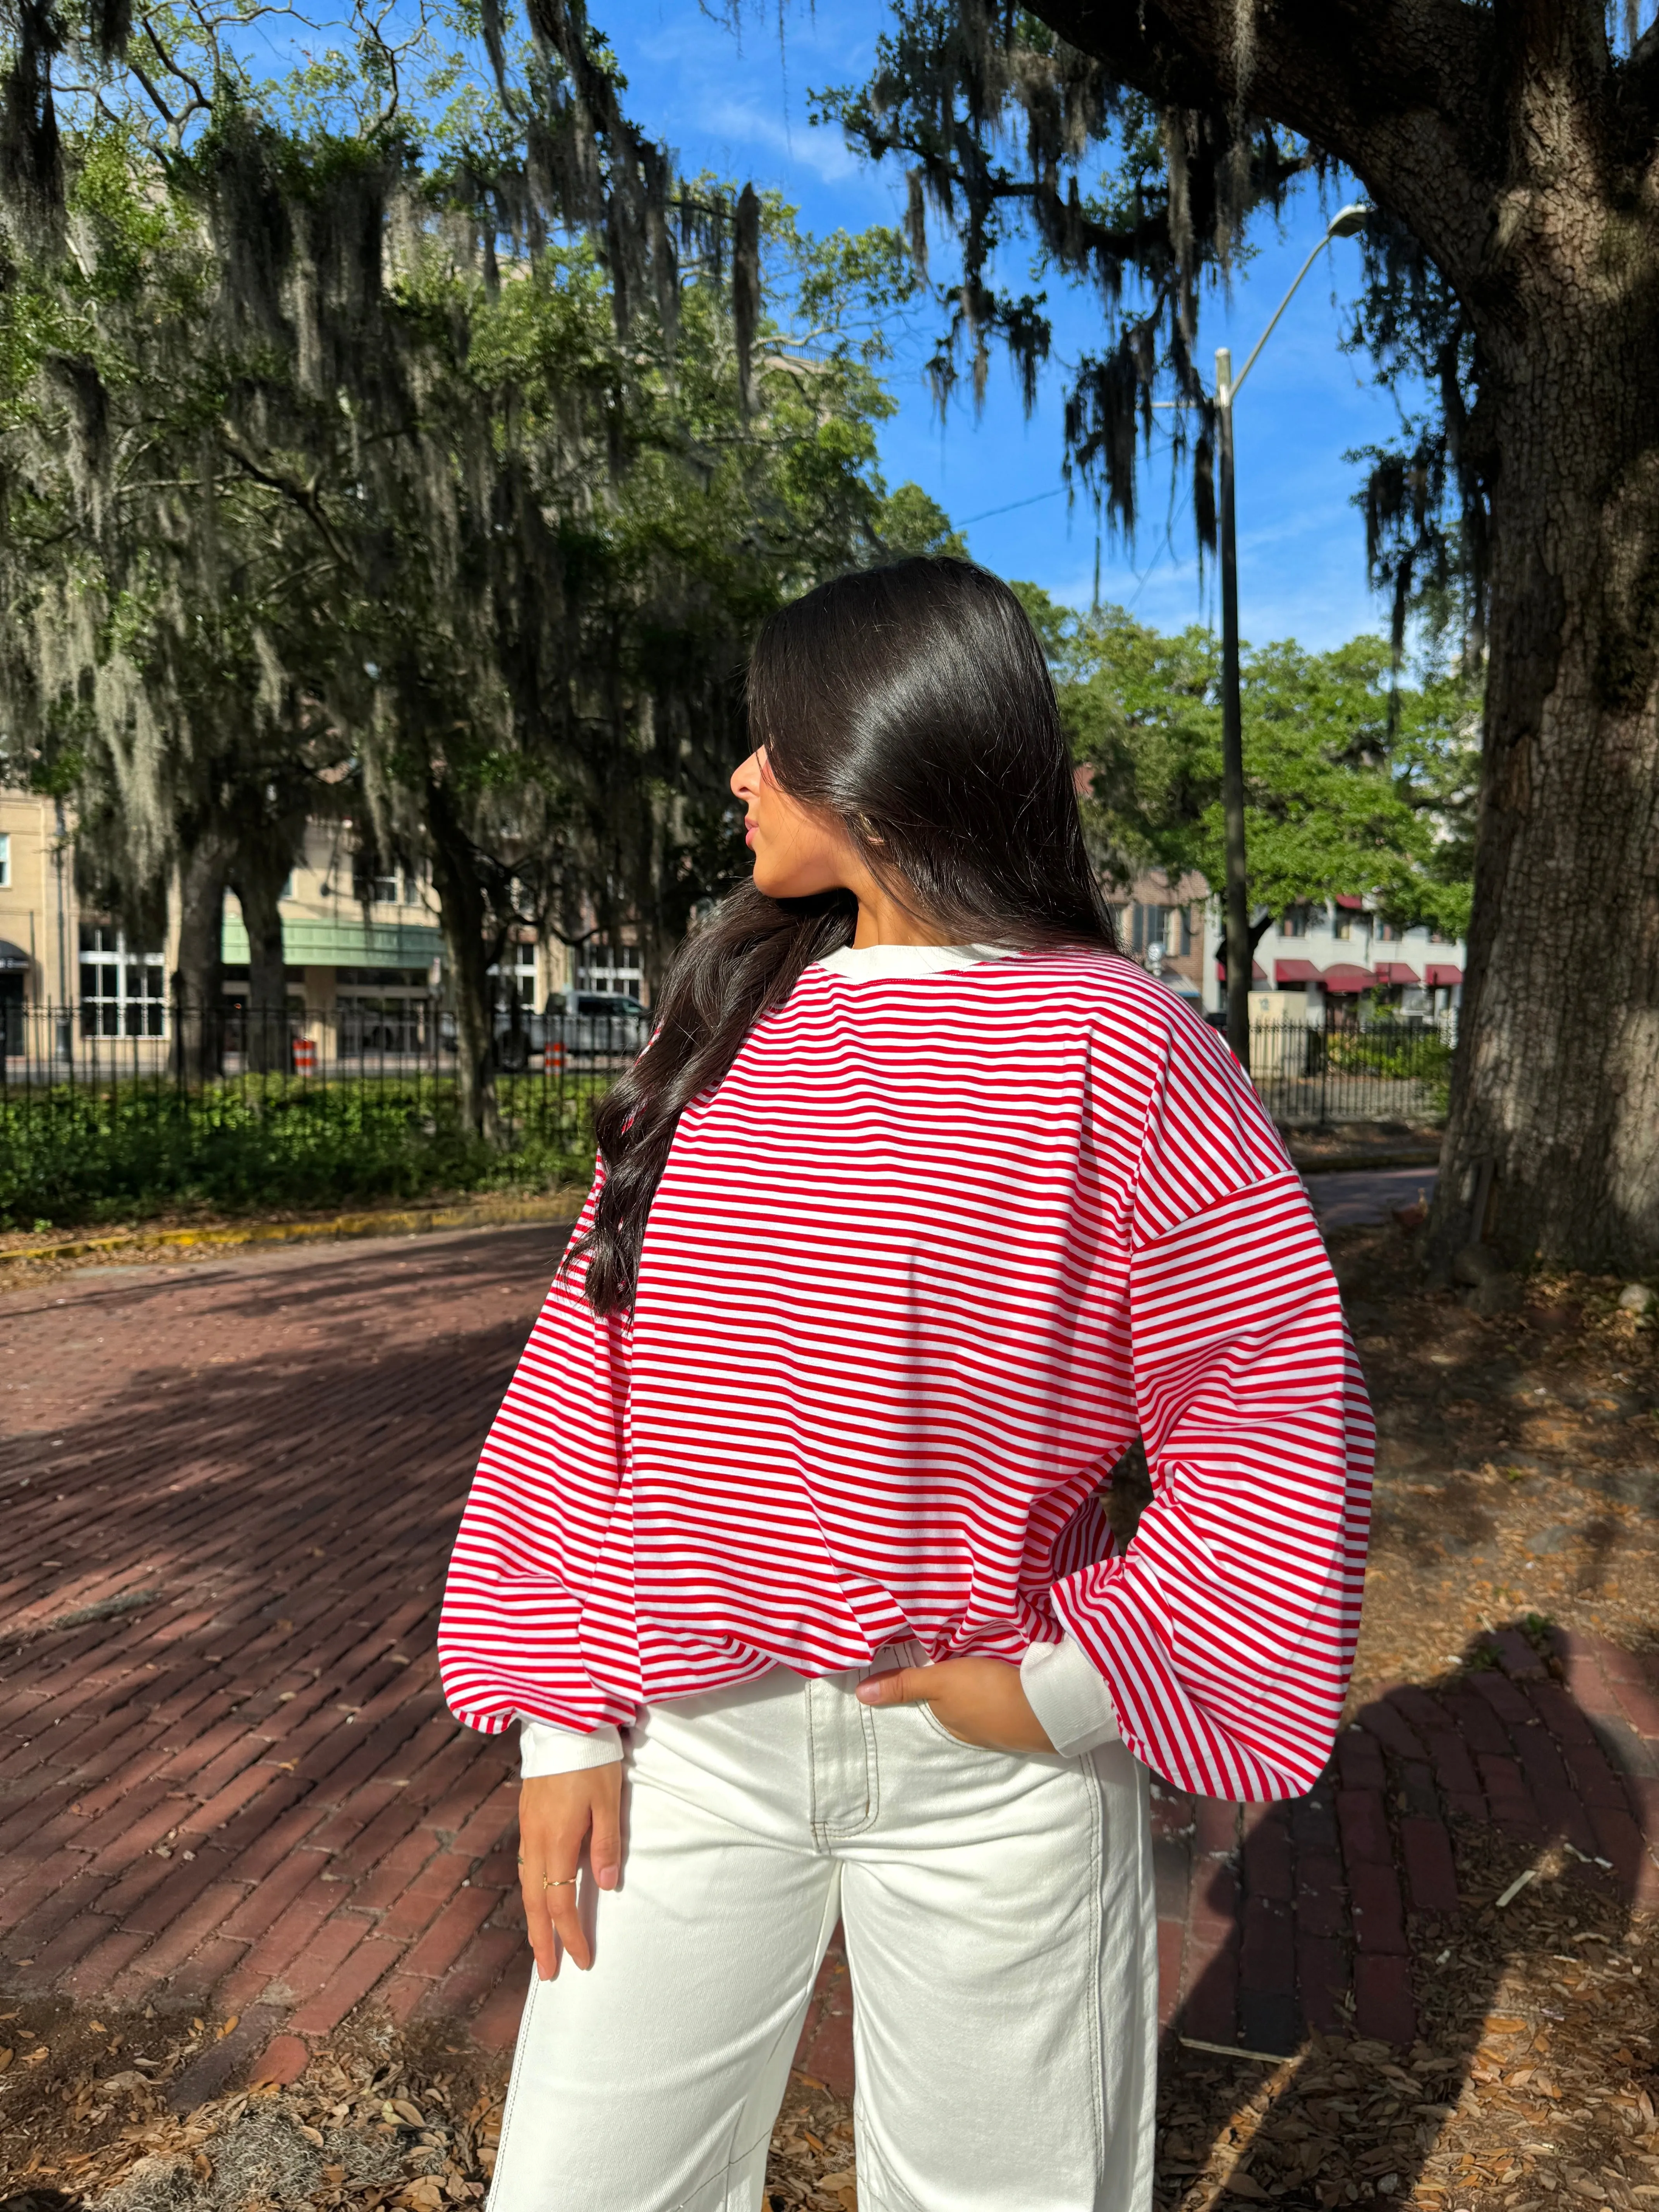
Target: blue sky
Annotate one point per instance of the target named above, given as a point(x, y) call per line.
point(739, 106)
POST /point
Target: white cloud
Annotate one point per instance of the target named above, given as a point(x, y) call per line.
point(822, 153)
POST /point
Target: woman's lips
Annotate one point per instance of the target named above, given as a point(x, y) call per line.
point(748, 834)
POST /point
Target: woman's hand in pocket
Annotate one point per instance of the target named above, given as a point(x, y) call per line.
point(980, 1701)
point(557, 1814)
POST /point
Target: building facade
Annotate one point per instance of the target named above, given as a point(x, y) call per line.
point(1319, 962)
point(362, 952)
point(1328, 962)
point(1163, 925)
point(40, 921)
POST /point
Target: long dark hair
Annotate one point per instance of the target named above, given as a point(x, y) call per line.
point(914, 703)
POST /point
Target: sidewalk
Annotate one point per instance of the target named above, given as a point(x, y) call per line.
point(228, 1783)
point(228, 1778)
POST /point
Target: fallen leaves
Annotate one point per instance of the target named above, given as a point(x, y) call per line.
point(1535, 2085)
point(358, 2132)
point(811, 2163)
point(1484, 1507)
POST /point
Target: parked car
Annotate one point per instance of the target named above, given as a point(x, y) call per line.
point(581, 1025)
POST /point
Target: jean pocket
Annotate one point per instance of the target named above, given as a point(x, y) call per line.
point(931, 1719)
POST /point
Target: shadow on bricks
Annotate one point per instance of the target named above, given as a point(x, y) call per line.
point(227, 1777)
point(1366, 1908)
point(227, 1780)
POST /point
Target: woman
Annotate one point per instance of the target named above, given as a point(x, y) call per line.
point(786, 1550)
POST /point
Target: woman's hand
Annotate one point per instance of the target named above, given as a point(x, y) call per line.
point(980, 1701)
point(557, 1813)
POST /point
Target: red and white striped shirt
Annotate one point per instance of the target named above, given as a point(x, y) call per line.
point(949, 1235)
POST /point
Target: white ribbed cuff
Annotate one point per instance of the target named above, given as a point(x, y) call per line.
point(1069, 1695)
point(546, 1749)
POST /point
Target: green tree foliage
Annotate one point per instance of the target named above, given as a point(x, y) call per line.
point(1350, 789)
point(434, 482)
point(156, 590)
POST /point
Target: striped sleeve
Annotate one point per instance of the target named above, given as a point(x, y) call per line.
point(544, 1505)
point(1226, 1632)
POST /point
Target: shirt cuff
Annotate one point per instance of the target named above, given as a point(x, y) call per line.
point(546, 1749)
point(1068, 1695)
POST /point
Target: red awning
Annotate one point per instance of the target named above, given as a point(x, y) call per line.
point(1394, 971)
point(1295, 971)
point(1344, 977)
point(1443, 975)
point(1258, 972)
point(1349, 904)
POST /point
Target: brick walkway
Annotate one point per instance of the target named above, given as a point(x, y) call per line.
point(227, 1777)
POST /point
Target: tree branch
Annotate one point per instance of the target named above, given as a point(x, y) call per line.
point(1400, 95)
point(173, 67)
point(304, 496)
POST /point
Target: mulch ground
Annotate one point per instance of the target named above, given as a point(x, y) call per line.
point(233, 1485)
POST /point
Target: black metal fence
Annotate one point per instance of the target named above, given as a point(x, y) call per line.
point(152, 1105)
point(1388, 1072)
point(155, 1105)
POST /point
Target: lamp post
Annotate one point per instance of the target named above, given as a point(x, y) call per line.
point(1343, 224)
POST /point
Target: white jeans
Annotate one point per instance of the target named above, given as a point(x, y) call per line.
point(1000, 1938)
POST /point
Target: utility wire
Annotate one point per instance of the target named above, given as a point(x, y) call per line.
point(967, 520)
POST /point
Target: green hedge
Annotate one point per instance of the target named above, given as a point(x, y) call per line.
point(1409, 1056)
point(72, 1154)
point(1419, 1057)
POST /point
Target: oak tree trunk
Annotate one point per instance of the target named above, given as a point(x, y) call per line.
point(462, 910)
point(257, 876)
point(202, 880)
point(1554, 1129)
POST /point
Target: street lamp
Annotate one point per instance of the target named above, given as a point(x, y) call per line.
point(1343, 224)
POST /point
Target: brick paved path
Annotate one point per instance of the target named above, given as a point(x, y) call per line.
point(227, 1777)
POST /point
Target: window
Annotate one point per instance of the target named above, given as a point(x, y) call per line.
point(123, 988)
point(371, 888)
point(383, 1010)
point(5, 863)
point(383, 1021)
point(614, 969)
point(515, 974)
point(1168, 928)
point(388, 886)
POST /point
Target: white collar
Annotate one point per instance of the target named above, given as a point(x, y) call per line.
point(871, 960)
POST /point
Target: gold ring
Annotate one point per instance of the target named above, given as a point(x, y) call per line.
point(569, 1882)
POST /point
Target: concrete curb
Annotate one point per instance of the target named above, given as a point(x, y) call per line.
point(412, 1221)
